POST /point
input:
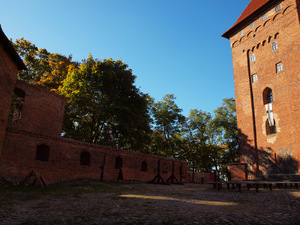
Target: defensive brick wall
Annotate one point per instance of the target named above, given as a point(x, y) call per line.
point(201, 178)
point(19, 159)
point(42, 111)
point(31, 140)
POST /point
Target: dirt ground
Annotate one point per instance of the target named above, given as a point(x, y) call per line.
point(94, 202)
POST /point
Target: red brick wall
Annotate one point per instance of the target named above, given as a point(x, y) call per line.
point(238, 171)
point(200, 177)
point(8, 76)
point(42, 111)
point(284, 28)
point(40, 123)
point(19, 152)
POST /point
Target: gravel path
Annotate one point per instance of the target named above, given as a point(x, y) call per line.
point(151, 204)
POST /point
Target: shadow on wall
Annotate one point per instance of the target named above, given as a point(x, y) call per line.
point(269, 161)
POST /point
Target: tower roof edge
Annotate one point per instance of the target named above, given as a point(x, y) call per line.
point(253, 8)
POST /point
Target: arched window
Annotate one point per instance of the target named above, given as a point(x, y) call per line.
point(85, 158)
point(118, 162)
point(42, 153)
point(270, 129)
point(17, 106)
point(267, 96)
point(144, 166)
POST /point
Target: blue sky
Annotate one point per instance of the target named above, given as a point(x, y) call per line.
point(172, 46)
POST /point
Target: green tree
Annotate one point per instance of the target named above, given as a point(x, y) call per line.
point(226, 122)
point(168, 122)
point(45, 69)
point(198, 136)
point(104, 106)
point(211, 142)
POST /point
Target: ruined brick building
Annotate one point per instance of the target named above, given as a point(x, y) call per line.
point(265, 44)
point(30, 137)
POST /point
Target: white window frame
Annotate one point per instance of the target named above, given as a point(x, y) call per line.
point(279, 67)
point(274, 46)
point(254, 78)
point(277, 8)
point(252, 25)
point(264, 17)
point(252, 57)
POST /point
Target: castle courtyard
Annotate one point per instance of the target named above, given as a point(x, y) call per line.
point(94, 202)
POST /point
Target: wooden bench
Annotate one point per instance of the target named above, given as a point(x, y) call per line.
point(255, 184)
point(217, 184)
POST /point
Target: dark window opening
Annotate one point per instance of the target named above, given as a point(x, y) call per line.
point(270, 129)
point(267, 96)
point(85, 158)
point(42, 153)
point(16, 107)
point(118, 163)
point(144, 166)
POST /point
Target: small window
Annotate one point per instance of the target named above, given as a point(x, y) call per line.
point(252, 58)
point(267, 96)
point(16, 107)
point(118, 163)
point(42, 153)
point(279, 67)
point(270, 129)
point(254, 78)
point(85, 158)
point(144, 166)
point(252, 25)
point(274, 46)
point(241, 33)
point(277, 8)
point(264, 17)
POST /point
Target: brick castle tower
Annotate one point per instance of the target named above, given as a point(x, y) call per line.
point(265, 44)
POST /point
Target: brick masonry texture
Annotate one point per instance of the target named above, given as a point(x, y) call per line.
point(282, 27)
point(8, 72)
point(42, 111)
point(19, 153)
point(40, 127)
